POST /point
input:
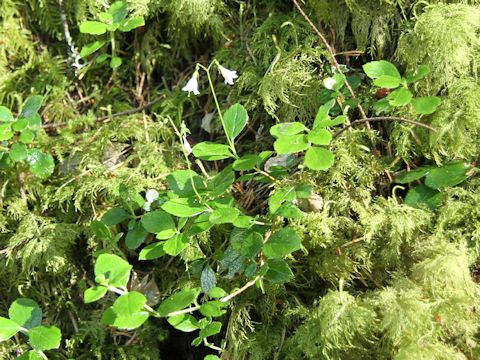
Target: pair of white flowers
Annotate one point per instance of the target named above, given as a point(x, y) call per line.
point(192, 84)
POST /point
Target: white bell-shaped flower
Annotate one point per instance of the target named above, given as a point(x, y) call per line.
point(227, 74)
point(192, 85)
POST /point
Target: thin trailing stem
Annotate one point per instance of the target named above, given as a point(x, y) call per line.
point(386, 118)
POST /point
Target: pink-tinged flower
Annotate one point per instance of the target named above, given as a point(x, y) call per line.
point(192, 85)
point(186, 145)
point(227, 74)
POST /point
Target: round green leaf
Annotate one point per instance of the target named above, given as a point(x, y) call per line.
point(6, 132)
point(246, 162)
point(320, 136)
point(278, 271)
point(8, 328)
point(136, 236)
point(183, 207)
point(27, 136)
point(211, 151)
point(45, 337)
point(176, 244)
point(217, 292)
point(18, 152)
point(93, 294)
point(25, 312)
point(184, 322)
point(6, 115)
point(224, 215)
point(376, 69)
point(114, 268)
point(290, 144)
point(160, 223)
point(41, 164)
point(178, 301)
point(127, 312)
point(114, 216)
point(317, 158)
point(213, 308)
point(419, 74)
point(426, 105)
point(287, 129)
point(386, 81)
point(282, 243)
point(211, 329)
point(30, 355)
point(152, 251)
point(115, 62)
point(400, 97)
point(93, 28)
point(20, 124)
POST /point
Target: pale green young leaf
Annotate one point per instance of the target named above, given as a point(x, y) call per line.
point(6, 115)
point(176, 244)
point(183, 207)
point(400, 97)
point(291, 144)
point(114, 268)
point(8, 328)
point(115, 62)
point(320, 136)
point(94, 293)
point(426, 104)
point(376, 69)
point(127, 312)
point(93, 27)
point(317, 158)
point(18, 152)
point(287, 129)
point(45, 337)
point(184, 322)
point(386, 81)
point(6, 132)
